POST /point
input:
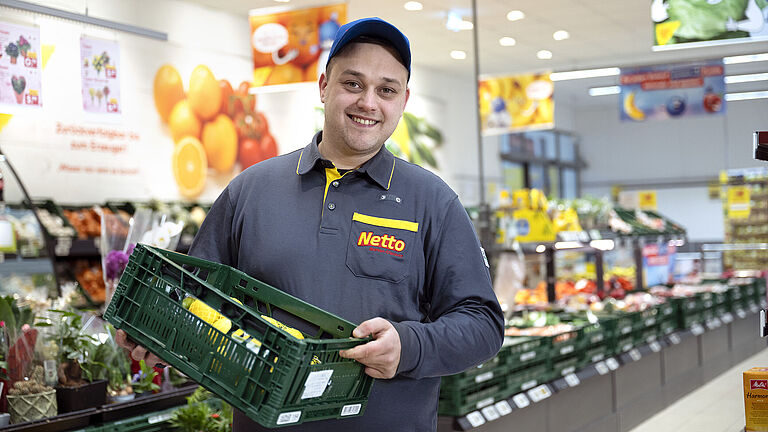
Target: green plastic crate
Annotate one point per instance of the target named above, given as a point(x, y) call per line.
point(524, 350)
point(566, 365)
point(284, 381)
point(646, 318)
point(528, 377)
point(688, 320)
point(493, 368)
point(457, 402)
point(565, 343)
point(646, 335)
point(666, 310)
point(624, 343)
point(706, 299)
point(668, 326)
point(596, 353)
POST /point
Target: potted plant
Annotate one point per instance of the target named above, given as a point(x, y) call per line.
point(118, 371)
point(31, 399)
point(24, 46)
point(19, 83)
point(143, 382)
point(13, 51)
point(81, 371)
point(203, 414)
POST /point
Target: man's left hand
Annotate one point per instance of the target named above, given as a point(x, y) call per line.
point(381, 356)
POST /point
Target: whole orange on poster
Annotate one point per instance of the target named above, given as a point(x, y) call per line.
point(292, 46)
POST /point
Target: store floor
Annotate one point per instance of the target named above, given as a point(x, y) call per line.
point(717, 406)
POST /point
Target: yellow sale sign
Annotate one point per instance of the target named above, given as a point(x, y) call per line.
point(647, 200)
point(291, 47)
point(516, 103)
point(738, 202)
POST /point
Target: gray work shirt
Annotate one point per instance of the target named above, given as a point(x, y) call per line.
point(388, 239)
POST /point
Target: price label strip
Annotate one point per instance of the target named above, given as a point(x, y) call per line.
point(521, 400)
point(602, 368)
point(475, 419)
point(538, 394)
point(674, 338)
point(572, 380)
point(503, 408)
point(635, 354)
point(655, 346)
point(490, 413)
point(612, 364)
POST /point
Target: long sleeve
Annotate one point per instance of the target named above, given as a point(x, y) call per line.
point(465, 324)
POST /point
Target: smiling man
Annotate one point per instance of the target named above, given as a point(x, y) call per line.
point(348, 227)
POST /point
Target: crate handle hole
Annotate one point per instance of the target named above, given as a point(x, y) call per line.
point(341, 328)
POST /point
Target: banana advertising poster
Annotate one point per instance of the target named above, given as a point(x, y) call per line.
point(293, 46)
point(688, 23)
point(672, 91)
point(516, 103)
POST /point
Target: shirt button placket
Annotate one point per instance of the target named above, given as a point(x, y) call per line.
point(331, 206)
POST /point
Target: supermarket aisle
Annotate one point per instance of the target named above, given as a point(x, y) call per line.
point(718, 406)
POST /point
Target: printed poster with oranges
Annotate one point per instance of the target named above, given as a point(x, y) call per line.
point(216, 130)
point(516, 103)
point(99, 61)
point(20, 66)
point(292, 47)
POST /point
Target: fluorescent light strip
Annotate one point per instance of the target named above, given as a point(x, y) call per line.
point(568, 245)
point(604, 91)
point(745, 58)
point(586, 73)
point(746, 96)
point(734, 79)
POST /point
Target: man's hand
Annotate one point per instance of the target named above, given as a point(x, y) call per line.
point(382, 354)
point(137, 352)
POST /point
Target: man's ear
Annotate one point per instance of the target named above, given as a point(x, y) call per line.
point(322, 85)
point(407, 95)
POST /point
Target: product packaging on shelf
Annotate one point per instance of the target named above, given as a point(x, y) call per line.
point(756, 399)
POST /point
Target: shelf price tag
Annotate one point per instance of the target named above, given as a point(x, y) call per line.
point(484, 377)
point(475, 419)
point(674, 338)
point(572, 380)
point(727, 317)
point(753, 308)
point(602, 368)
point(30, 62)
point(566, 350)
point(697, 329)
point(612, 364)
point(503, 407)
point(741, 314)
point(635, 354)
point(528, 356)
point(490, 413)
point(650, 321)
point(716, 322)
point(655, 346)
point(521, 400)
point(539, 393)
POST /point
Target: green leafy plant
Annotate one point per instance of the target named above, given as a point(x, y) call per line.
point(202, 415)
point(19, 84)
point(24, 46)
point(142, 382)
point(20, 338)
point(415, 140)
point(80, 355)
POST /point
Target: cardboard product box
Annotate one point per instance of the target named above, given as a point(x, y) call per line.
point(756, 399)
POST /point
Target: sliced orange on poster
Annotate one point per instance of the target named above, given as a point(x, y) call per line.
point(190, 166)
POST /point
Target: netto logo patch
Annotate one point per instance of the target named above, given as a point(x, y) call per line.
point(758, 384)
point(382, 243)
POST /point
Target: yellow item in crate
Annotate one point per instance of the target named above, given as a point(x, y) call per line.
point(566, 220)
point(291, 331)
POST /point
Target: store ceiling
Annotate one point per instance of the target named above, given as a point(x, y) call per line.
point(603, 33)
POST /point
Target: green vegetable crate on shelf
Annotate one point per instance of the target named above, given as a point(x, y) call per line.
point(272, 376)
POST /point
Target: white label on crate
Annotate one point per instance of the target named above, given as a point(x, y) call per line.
point(159, 418)
point(348, 410)
point(697, 329)
point(597, 338)
point(625, 330)
point(741, 314)
point(288, 417)
point(597, 358)
point(727, 317)
point(527, 356)
point(716, 322)
point(485, 402)
point(572, 380)
point(674, 338)
point(490, 413)
point(650, 338)
point(568, 370)
point(650, 321)
point(539, 393)
point(566, 350)
point(655, 346)
point(503, 407)
point(316, 383)
point(529, 384)
point(601, 368)
point(612, 364)
point(521, 400)
point(635, 354)
point(484, 377)
point(475, 419)
point(707, 304)
point(753, 308)
point(626, 347)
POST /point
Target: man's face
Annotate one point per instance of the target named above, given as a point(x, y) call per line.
point(364, 96)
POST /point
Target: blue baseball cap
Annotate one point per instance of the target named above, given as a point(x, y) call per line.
point(377, 28)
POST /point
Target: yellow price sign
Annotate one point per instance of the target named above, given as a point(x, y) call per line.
point(738, 202)
point(533, 226)
point(647, 200)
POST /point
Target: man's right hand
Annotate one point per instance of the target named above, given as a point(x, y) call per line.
point(137, 352)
